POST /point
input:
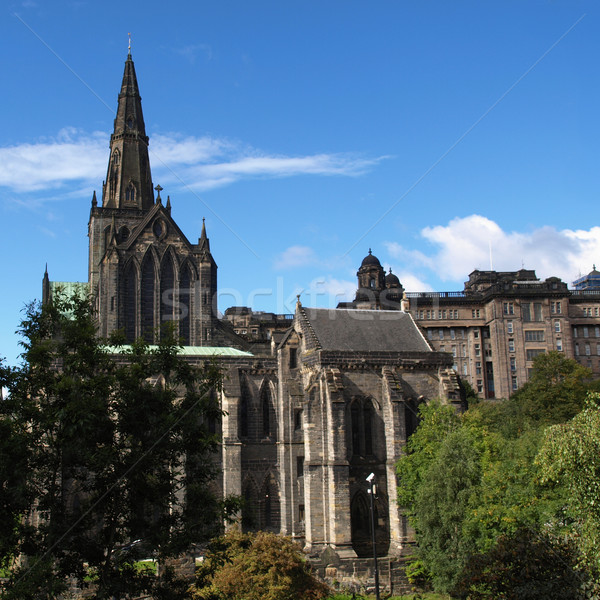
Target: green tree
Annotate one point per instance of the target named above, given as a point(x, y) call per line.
point(261, 566)
point(570, 457)
point(115, 450)
point(436, 421)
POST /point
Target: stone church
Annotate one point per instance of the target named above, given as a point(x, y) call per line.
point(313, 406)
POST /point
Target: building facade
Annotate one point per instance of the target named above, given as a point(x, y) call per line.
point(313, 402)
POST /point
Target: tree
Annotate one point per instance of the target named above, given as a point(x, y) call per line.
point(570, 457)
point(114, 452)
point(261, 566)
point(526, 565)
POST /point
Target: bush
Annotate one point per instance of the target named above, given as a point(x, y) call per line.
point(261, 566)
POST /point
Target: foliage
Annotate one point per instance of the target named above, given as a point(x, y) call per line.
point(570, 457)
point(261, 566)
point(105, 448)
point(436, 422)
point(526, 565)
point(470, 480)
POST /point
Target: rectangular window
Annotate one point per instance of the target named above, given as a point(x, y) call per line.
point(452, 334)
point(513, 363)
point(596, 312)
point(597, 331)
point(598, 349)
point(515, 385)
point(588, 350)
point(555, 308)
point(557, 326)
point(479, 386)
point(576, 349)
point(575, 332)
point(443, 314)
point(559, 345)
point(293, 358)
point(439, 314)
point(454, 351)
point(586, 332)
point(430, 334)
point(508, 308)
point(476, 334)
point(532, 353)
point(536, 335)
point(464, 350)
point(465, 371)
point(475, 313)
point(442, 348)
point(509, 327)
point(511, 345)
point(478, 368)
point(477, 350)
point(441, 332)
point(300, 466)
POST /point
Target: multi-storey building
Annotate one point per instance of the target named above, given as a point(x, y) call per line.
point(498, 323)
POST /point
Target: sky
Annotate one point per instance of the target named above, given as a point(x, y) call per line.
point(445, 136)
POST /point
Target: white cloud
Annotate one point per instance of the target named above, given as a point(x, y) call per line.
point(296, 256)
point(464, 245)
point(197, 162)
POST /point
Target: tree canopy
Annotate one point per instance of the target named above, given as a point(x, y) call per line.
point(106, 457)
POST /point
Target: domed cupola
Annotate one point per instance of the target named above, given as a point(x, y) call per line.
point(371, 274)
point(391, 280)
point(370, 260)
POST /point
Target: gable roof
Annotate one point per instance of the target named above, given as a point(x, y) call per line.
point(362, 330)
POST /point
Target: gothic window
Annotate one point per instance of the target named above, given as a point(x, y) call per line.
point(268, 412)
point(360, 520)
point(269, 504)
point(147, 299)
point(185, 293)
point(244, 408)
point(116, 158)
point(129, 287)
point(123, 234)
point(362, 421)
point(167, 292)
point(130, 194)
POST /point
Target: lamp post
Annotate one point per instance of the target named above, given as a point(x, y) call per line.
point(371, 491)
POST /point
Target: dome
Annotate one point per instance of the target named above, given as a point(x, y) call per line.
point(391, 280)
point(370, 260)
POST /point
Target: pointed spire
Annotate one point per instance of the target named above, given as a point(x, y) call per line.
point(128, 179)
point(94, 200)
point(203, 242)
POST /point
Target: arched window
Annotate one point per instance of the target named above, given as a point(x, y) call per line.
point(360, 524)
point(362, 422)
point(130, 194)
point(244, 408)
point(185, 293)
point(268, 412)
point(147, 299)
point(167, 293)
point(116, 158)
point(129, 317)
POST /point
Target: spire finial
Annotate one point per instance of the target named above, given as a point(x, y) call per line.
point(129, 46)
point(298, 303)
point(370, 251)
point(159, 190)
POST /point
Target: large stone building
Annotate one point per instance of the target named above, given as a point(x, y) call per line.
point(313, 402)
point(316, 401)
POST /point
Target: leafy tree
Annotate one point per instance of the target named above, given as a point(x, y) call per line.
point(570, 457)
point(114, 457)
point(526, 565)
point(555, 392)
point(261, 566)
point(441, 507)
point(436, 422)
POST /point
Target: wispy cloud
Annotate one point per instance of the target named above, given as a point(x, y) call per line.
point(199, 163)
point(473, 242)
point(295, 256)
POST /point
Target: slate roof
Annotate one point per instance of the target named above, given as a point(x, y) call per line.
point(364, 330)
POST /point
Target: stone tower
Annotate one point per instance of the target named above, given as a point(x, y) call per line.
point(143, 271)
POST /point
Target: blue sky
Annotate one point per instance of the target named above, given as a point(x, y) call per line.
point(307, 133)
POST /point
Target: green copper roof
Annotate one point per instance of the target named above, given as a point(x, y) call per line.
point(70, 288)
point(191, 350)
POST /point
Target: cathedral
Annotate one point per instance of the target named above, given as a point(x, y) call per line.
point(313, 402)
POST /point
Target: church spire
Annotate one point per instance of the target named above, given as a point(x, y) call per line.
point(128, 180)
point(203, 243)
